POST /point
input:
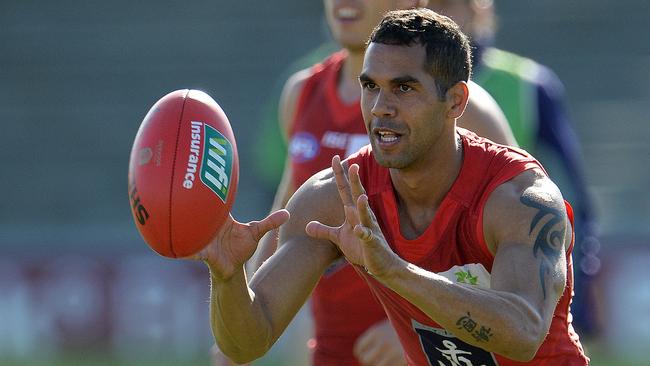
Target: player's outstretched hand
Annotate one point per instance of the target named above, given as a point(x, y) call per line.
point(359, 237)
point(236, 242)
point(379, 346)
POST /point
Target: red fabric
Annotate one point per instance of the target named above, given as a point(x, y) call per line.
point(342, 304)
point(455, 237)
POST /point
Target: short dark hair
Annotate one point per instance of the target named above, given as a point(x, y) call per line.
point(448, 52)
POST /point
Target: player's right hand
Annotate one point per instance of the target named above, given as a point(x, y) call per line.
point(236, 242)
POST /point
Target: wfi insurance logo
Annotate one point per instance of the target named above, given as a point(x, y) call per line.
point(216, 167)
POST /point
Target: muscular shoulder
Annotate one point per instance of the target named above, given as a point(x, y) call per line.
point(523, 208)
point(316, 200)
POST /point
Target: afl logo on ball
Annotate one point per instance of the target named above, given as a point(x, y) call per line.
point(303, 147)
point(145, 156)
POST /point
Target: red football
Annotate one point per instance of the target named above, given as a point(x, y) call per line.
point(183, 173)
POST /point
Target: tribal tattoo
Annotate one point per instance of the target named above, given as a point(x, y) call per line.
point(550, 239)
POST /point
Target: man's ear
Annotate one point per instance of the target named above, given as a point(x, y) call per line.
point(410, 4)
point(457, 97)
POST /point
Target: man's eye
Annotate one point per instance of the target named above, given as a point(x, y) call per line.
point(370, 86)
point(404, 88)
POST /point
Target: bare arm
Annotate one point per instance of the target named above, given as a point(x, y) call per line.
point(248, 319)
point(484, 117)
point(525, 226)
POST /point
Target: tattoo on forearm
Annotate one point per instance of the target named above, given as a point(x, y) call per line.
point(479, 332)
point(550, 239)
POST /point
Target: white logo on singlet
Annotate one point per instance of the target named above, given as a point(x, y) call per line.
point(350, 142)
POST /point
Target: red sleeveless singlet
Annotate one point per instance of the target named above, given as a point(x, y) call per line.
point(454, 243)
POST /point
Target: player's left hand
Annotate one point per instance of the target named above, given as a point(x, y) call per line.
point(359, 237)
point(379, 346)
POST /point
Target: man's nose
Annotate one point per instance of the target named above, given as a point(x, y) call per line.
point(384, 105)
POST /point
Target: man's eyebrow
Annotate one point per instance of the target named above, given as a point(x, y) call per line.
point(364, 78)
point(406, 79)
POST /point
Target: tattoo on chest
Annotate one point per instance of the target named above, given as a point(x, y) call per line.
point(549, 242)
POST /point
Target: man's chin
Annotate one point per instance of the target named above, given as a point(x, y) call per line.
point(389, 163)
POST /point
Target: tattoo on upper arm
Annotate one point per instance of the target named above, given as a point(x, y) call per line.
point(550, 239)
point(479, 332)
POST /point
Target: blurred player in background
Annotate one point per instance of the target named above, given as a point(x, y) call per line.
point(320, 117)
point(532, 98)
point(484, 214)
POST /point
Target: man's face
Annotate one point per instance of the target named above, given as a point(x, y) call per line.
point(351, 21)
point(400, 105)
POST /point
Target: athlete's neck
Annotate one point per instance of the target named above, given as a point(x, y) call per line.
point(420, 190)
point(348, 88)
